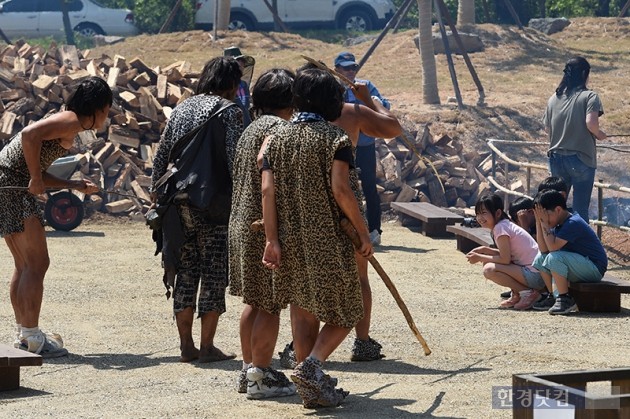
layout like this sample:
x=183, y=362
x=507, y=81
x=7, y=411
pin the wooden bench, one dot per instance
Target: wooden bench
x=600, y=297
x=470, y=237
x=11, y=360
x=433, y=220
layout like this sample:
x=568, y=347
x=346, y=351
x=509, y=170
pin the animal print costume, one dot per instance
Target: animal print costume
x=202, y=267
x=248, y=277
x=18, y=205
x=318, y=271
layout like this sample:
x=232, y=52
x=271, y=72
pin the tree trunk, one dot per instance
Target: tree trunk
x=224, y=14
x=66, y=23
x=604, y=8
x=465, y=13
x=427, y=55
x=542, y=7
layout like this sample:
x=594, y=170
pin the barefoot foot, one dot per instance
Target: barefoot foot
x=189, y=354
x=214, y=354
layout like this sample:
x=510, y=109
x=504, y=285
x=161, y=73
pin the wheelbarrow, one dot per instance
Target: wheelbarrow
x=63, y=210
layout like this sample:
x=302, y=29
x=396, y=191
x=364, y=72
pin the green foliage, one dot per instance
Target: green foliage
x=150, y=15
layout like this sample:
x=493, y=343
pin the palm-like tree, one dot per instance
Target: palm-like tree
x=466, y=13
x=224, y=14
x=427, y=55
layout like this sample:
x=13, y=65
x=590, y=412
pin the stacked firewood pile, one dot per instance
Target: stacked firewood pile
x=34, y=82
x=444, y=174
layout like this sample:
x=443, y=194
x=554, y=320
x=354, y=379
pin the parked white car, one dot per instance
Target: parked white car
x=40, y=18
x=352, y=15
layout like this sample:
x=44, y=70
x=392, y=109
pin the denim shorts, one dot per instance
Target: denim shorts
x=570, y=265
x=533, y=278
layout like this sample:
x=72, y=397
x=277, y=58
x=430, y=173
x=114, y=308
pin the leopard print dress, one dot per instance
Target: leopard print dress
x=248, y=277
x=318, y=271
x=18, y=205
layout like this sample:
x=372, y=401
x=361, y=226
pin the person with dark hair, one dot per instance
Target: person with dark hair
x=375, y=120
x=23, y=176
x=572, y=122
x=200, y=263
x=260, y=321
x=306, y=191
x=570, y=251
x=554, y=183
x=522, y=213
x=345, y=64
x=247, y=63
x=510, y=264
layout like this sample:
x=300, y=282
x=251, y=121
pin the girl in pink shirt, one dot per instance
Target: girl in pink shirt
x=510, y=263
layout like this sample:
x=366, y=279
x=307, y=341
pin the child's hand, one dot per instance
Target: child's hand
x=473, y=257
x=541, y=215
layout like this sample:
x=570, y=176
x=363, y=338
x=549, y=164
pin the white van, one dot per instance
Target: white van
x=253, y=15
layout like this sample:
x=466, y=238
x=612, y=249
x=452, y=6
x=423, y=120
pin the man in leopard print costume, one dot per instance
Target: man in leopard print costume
x=202, y=263
x=306, y=192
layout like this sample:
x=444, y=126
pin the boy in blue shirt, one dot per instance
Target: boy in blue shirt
x=570, y=251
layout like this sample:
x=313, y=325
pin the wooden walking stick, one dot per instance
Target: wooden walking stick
x=354, y=236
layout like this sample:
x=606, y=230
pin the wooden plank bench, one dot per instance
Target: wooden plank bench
x=433, y=220
x=470, y=237
x=11, y=360
x=600, y=297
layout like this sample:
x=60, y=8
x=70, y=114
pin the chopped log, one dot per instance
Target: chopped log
x=436, y=193
x=112, y=158
x=162, y=87
x=42, y=84
x=130, y=99
x=112, y=77
x=6, y=125
x=69, y=56
x=138, y=64
x=407, y=194
x=139, y=191
x=117, y=207
x=144, y=181
x=123, y=136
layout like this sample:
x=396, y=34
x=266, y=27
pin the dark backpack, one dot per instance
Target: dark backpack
x=198, y=172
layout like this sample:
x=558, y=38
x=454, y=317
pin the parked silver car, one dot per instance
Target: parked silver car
x=40, y=18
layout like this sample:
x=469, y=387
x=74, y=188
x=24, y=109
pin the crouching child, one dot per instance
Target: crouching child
x=570, y=251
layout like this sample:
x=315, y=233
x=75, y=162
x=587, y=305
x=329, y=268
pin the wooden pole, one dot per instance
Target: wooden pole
x=625, y=9
x=215, y=22
x=460, y=44
x=402, y=16
x=4, y=38
x=383, y=33
x=273, y=8
x=347, y=227
x=170, y=17
x=449, y=59
x=66, y=23
x=508, y=3
x=600, y=209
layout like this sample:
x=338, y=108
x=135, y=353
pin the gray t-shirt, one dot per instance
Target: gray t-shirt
x=565, y=119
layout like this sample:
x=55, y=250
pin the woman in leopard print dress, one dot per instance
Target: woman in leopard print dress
x=272, y=99
x=306, y=192
x=23, y=164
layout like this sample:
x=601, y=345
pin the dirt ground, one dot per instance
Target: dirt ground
x=105, y=297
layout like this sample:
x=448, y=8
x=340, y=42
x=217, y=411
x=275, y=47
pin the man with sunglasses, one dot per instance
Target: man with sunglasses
x=345, y=63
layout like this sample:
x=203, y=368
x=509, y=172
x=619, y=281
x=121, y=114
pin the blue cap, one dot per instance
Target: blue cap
x=345, y=59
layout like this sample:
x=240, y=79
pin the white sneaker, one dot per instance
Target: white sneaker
x=375, y=238
x=43, y=345
x=263, y=383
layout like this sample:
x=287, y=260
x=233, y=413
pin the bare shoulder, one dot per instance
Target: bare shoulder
x=60, y=125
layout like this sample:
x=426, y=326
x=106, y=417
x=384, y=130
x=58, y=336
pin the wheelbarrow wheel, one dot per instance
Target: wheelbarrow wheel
x=64, y=211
